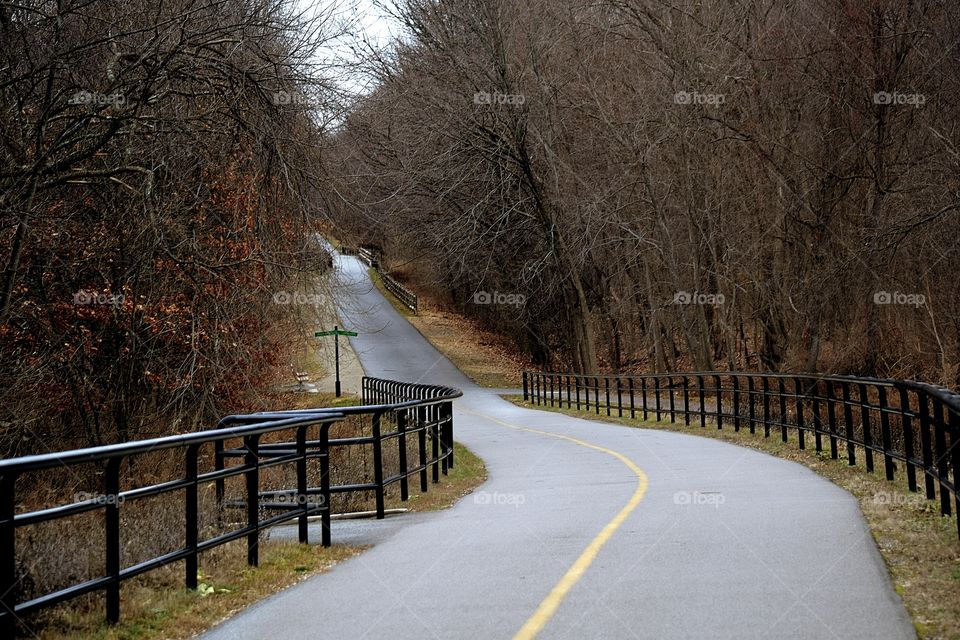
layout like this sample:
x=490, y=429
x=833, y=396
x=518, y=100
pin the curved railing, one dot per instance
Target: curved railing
x=397, y=410
x=903, y=422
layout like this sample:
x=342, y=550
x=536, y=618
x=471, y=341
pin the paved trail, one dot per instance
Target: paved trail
x=587, y=530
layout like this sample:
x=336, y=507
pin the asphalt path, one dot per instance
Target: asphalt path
x=587, y=530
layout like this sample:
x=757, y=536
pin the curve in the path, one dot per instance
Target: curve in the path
x=589, y=530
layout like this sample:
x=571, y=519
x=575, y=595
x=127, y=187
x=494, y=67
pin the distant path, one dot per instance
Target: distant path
x=590, y=534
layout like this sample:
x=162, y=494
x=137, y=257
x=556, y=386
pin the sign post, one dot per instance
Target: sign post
x=336, y=333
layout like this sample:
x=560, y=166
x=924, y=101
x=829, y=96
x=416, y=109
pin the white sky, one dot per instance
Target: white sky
x=370, y=22
x=376, y=24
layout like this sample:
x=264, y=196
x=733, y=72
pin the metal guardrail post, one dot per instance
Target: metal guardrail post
x=848, y=425
x=673, y=407
x=817, y=423
x=656, y=395
x=865, y=421
x=885, y=433
x=782, y=399
x=378, y=466
x=325, y=494
x=954, y=424
x=302, y=498
x=422, y=446
x=435, y=443
x=219, y=485
x=719, y=394
x=111, y=490
x=701, y=389
x=252, y=477
x=606, y=391
x=798, y=403
x=736, y=402
x=619, y=397
x=191, y=517
x=832, y=419
x=943, y=455
x=766, y=408
x=908, y=449
x=926, y=449
x=596, y=394
x=448, y=424
x=643, y=392
x=402, y=453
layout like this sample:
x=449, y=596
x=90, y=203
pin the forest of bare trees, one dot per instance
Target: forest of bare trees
x=671, y=184
x=624, y=185
x=159, y=174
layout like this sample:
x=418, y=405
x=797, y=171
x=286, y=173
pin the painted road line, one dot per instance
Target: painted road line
x=535, y=624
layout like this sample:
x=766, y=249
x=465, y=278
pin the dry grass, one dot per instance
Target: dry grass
x=482, y=355
x=154, y=608
x=919, y=545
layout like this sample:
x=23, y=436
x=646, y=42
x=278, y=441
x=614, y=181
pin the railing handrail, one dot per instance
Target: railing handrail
x=420, y=411
x=100, y=453
x=948, y=396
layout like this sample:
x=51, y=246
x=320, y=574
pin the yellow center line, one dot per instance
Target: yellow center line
x=551, y=603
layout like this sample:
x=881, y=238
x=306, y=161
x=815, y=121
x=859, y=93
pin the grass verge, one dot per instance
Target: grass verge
x=152, y=610
x=919, y=546
x=480, y=354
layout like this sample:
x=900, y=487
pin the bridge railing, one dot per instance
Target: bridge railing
x=287, y=440
x=898, y=421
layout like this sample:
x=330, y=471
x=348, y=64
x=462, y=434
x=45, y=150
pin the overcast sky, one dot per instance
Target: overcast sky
x=364, y=17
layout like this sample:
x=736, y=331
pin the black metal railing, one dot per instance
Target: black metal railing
x=296, y=438
x=902, y=422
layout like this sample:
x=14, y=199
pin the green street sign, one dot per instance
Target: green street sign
x=335, y=332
